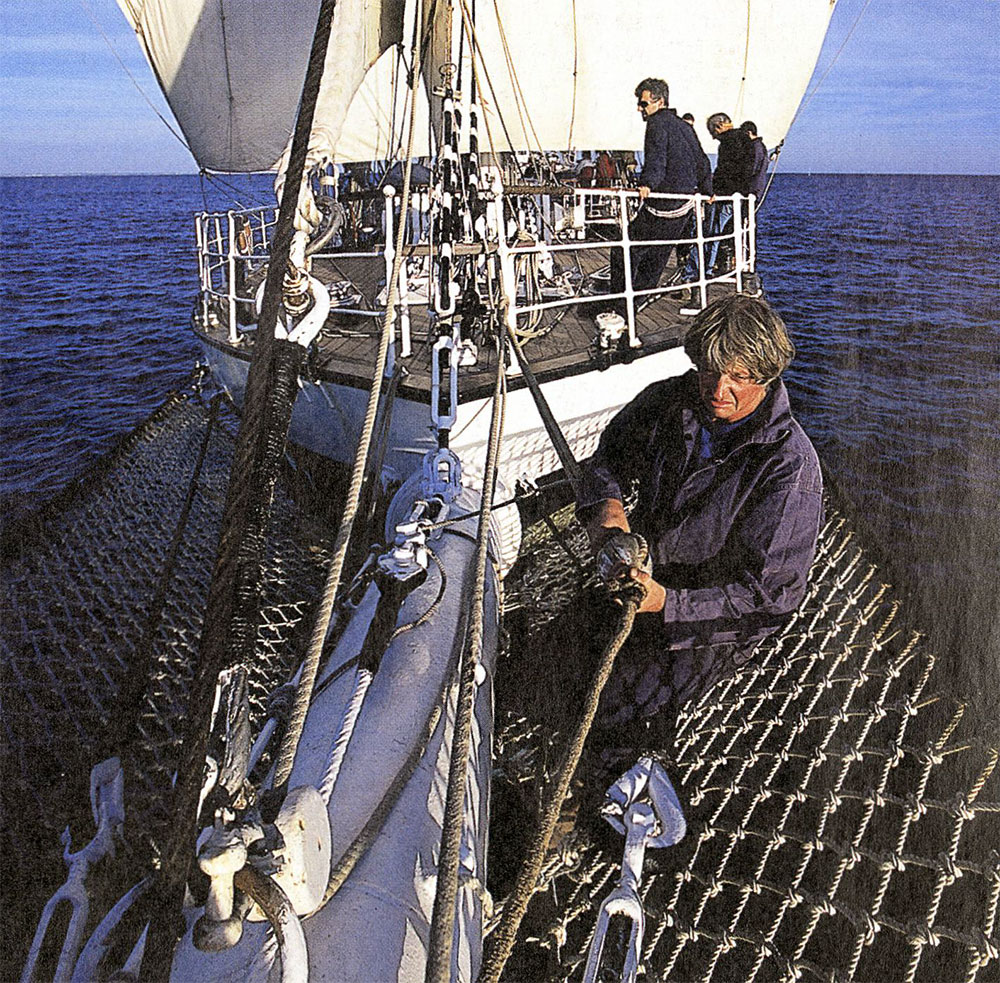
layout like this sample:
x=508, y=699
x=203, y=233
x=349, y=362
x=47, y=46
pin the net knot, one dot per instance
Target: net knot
x=946, y=864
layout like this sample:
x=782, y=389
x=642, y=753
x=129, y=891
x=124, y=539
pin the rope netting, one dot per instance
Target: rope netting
x=840, y=826
x=840, y=823
x=78, y=583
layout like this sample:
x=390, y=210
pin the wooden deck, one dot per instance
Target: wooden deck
x=347, y=347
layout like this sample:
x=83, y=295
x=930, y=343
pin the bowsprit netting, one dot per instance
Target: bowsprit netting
x=78, y=590
x=840, y=827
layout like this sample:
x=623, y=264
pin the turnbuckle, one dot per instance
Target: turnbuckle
x=656, y=822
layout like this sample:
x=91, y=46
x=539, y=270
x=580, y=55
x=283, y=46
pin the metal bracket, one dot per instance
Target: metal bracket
x=107, y=803
x=656, y=822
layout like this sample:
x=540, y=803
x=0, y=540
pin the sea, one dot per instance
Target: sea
x=889, y=284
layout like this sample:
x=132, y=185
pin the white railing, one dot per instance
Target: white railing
x=233, y=245
x=742, y=238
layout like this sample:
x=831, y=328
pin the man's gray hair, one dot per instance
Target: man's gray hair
x=716, y=121
x=740, y=329
x=657, y=88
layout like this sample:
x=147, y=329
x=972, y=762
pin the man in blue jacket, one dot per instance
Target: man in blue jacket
x=729, y=501
x=673, y=163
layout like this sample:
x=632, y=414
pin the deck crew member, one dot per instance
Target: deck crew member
x=728, y=500
x=758, y=174
x=733, y=170
x=673, y=163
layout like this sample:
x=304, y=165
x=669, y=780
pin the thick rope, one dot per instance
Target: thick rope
x=443, y=918
x=307, y=680
x=501, y=942
x=231, y=614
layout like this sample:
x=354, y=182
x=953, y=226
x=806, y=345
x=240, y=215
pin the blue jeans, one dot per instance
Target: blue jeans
x=719, y=216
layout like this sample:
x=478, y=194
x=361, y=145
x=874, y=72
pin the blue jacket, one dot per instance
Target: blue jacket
x=673, y=160
x=758, y=179
x=732, y=533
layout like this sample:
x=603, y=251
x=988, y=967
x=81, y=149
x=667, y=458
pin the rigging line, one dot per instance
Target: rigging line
x=519, y=92
x=180, y=139
x=829, y=68
x=746, y=61
x=576, y=56
x=504, y=935
x=231, y=614
x=229, y=81
x=809, y=98
x=303, y=694
x=439, y=945
x=233, y=190
x=515, y=88
x=478, y=50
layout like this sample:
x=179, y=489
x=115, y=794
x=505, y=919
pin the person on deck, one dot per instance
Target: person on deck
x=674, y=163
x=733, y=170
x=728, y=497
x=758, y=175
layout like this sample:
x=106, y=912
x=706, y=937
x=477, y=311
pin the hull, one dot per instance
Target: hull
x=327, y=416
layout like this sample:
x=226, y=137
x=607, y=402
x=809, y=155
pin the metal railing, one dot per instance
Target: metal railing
x=234, y=245
x=742, y=238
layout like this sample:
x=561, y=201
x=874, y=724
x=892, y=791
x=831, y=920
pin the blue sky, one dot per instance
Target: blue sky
x=915, y=89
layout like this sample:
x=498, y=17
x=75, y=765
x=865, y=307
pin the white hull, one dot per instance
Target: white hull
x=327, y=416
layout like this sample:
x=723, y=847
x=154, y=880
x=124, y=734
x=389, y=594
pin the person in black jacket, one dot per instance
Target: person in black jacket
x=674, y=163
x=733, y=174
x=758, y=176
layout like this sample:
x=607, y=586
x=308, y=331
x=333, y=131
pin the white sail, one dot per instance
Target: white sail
x=232, y=70
x=553, y=74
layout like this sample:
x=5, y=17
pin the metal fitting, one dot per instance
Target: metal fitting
x=223, y=854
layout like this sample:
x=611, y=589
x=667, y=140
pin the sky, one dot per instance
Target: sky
x=914, y=89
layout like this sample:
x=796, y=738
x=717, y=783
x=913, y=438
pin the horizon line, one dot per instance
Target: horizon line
x=237, y=174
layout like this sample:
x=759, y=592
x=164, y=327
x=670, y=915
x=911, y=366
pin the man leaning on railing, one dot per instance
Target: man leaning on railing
x=733, y=173
x=674, y=163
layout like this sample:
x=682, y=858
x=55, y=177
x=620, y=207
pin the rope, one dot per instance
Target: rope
x=829, y=68
x=809, y=97
x=502, y=940
x=149, y=102
x=303, y=695
x=746, y=61
x=232, y=609
x=443, y=918
x=576, y=56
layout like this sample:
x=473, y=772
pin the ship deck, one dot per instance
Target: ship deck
x=346, y=350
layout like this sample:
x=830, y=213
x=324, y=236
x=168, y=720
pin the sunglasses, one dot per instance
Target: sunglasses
x=643, y=103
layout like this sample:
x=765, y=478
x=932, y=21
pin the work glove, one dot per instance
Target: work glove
x=619, y=553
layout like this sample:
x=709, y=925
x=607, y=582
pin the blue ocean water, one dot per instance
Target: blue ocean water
x=888, y=284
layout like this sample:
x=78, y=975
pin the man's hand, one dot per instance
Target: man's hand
x=621, y=552
x=655, y=596
x=643, y=192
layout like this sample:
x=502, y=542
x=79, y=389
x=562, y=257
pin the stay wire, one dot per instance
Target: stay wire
x=439, y=947
x=177, y=136
x=809, y=97
x=303, y=696
x=829, y=68
x=228, y=634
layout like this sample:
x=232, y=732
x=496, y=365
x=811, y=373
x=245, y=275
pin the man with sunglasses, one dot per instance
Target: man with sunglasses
x=728, y=502
x=673, y=163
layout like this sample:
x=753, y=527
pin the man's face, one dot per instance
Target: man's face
x=732, y=395
x=647, y=105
